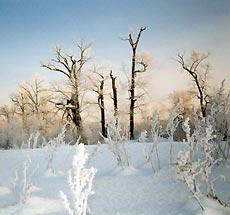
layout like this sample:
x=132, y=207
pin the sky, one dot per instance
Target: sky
x=30, y=29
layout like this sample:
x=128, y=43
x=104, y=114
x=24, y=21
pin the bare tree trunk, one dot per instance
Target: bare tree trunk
x=115, y=105
x=76, y=111
x=102, y=107
x=132, y=84
x=99, y=89
x=132, y=105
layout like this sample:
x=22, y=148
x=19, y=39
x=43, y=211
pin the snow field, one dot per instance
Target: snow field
x=133, y=191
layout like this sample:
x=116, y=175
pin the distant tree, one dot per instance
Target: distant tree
x=6, y=112
x=7, y=133
x=72, y=68
x=10, y=127
x=134, y=71
x=21, y=106
x=31, y=102
x=185, y=97
x=199, y=71
x=33, y=91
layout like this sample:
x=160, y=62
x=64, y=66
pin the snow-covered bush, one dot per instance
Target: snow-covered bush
x=80, y=180
x=175, y=118
x=196, y=162
x=22, y=183
x=93, y=154
x=52, y=145
x=116, y=139
x=151, y=148
x=219, y=108
x=11, y=134
x=35, y=140
x=143, y=137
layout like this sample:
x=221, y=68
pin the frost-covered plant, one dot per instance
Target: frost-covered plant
x=22, y=184
x=52, y=145
x=188, y=166
x=35, y=140
x=80, y=180
x=175, y=118
x=189, y=171
x=143, y=137
x=219, y=108
x=116, y=139
x=196, y=162
x=94, y=152
x=209, y=161
x=151, y=148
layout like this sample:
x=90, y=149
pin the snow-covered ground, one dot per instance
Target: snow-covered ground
x=137, y=190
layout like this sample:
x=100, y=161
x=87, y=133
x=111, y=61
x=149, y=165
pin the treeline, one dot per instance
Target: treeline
x=39, y=107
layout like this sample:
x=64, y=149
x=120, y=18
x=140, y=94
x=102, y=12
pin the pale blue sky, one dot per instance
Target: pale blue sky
x=31, y=28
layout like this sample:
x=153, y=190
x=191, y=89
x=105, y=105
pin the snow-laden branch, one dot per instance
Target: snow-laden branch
x=80, y=180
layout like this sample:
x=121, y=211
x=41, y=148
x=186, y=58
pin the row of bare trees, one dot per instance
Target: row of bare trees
x=72, y=67
x=46, y=106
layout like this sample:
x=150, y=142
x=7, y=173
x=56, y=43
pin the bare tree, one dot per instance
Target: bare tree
x=199, y=71
x=99, y=89
x=134, y=72
x=72, y=69
x=31, y=104
x=114, y=88
x=33, y=91
x=21, y=104
x=7, y=113
x=38, y=106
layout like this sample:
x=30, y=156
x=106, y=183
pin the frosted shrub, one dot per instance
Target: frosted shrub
x=52, y=149
x=35, y=140
x=116, y=139
x=175, y=118
x=196, y=162
x=188, y=167
x=189, y=172
x=94, y=152
x=151, y=148
x=22, y=184
x=80, y=180
x=143, y=137
x=219, y=108
x=209, y=162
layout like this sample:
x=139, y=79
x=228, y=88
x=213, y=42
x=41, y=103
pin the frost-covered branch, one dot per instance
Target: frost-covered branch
x=175, y=118
x=196, y=162
x=151, y=148
x=116, y=139
x=22, y=183
x=80, y=180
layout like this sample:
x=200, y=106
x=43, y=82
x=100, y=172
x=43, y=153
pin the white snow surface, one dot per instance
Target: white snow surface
x=137, y=190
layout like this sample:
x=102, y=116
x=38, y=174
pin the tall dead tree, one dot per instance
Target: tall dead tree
x=134, y=72
x=71, y=67
x=199, y=73
x=114, y=88
x=99, y=89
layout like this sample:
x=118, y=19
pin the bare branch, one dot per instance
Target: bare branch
x=54, y=68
